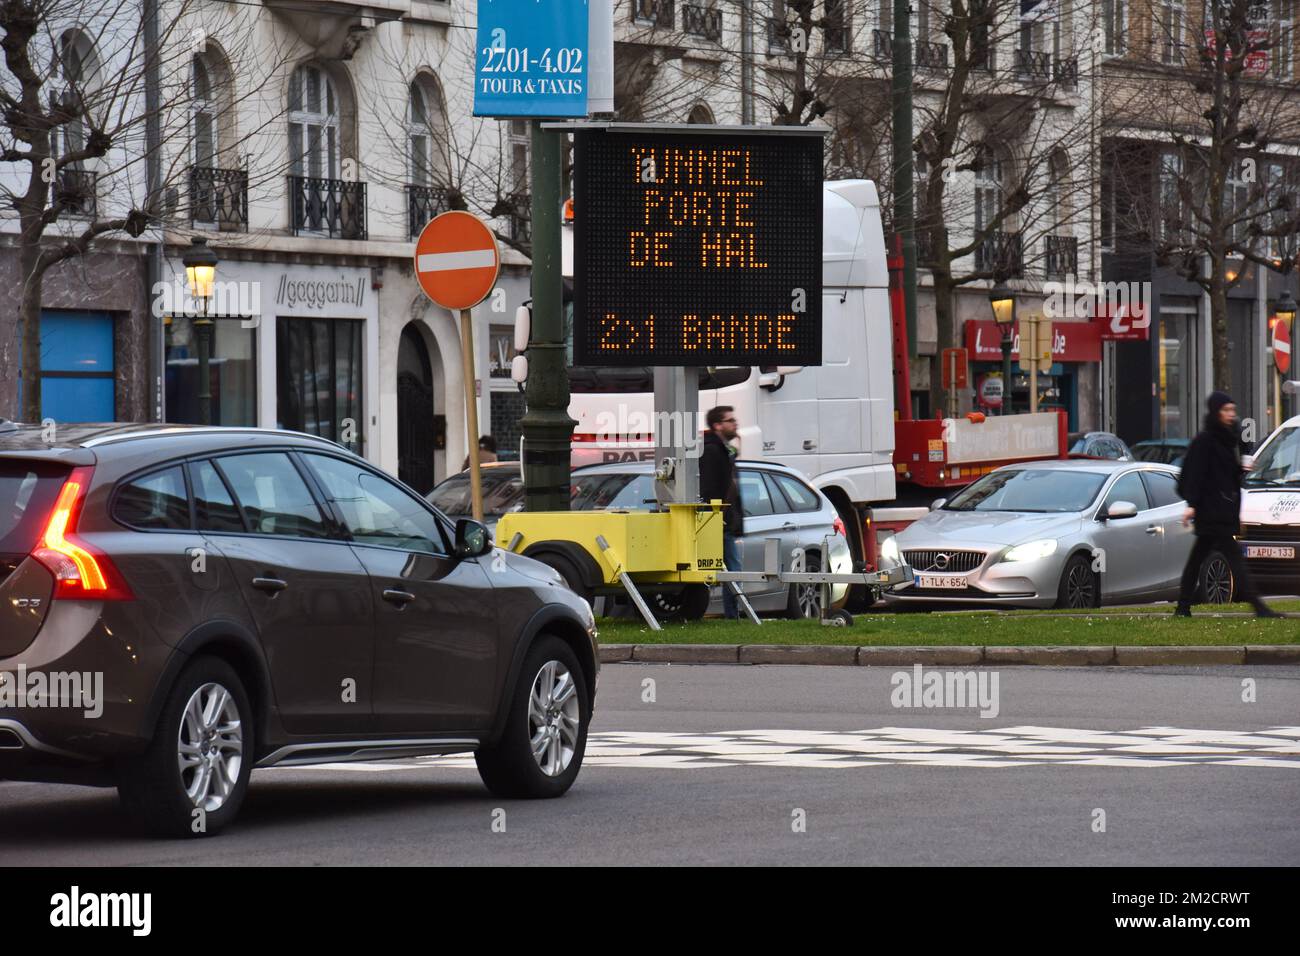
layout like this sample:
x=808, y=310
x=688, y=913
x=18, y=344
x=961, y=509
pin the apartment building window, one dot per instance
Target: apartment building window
x=1167, y=30
x=74, y=190
x=517, y=146
x=988, y=189
x=1283, y=40
x=1107, y=202
x=836, y=25
x=1114, y=25
x=313, y=124
x=1278, y=191
x=983, y=46
x=205, y=128
x=1171, y=210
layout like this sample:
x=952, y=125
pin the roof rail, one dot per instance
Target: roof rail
x=203, y=430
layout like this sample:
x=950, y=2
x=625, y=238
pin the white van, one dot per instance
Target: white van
x=1270, y=512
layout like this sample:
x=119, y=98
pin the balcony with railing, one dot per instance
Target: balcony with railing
x=702, y=21
x=76, y=192
x=1002, y=254
x=1066, y=71
x=327, y=207
x=1062, y=254
x=931, y=56
x=219, y=198
x=659, y=13
x=1034, y=64
x=422, y=204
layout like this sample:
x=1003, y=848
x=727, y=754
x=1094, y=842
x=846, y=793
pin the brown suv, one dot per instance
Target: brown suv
x=180, y=605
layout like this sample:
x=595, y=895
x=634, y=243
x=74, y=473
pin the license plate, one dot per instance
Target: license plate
x=1269, y=551
x=950, y=582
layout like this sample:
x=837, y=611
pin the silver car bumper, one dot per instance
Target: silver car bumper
x=1011, y=583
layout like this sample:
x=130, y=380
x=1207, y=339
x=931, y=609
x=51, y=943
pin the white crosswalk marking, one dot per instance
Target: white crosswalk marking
x=917, y=747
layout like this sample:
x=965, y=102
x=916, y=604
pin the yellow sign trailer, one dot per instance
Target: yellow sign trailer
x=681, y=545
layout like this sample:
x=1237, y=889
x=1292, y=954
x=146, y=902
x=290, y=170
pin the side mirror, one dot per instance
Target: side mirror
x=1122, y=509
x=472, y=538
x=938, y=503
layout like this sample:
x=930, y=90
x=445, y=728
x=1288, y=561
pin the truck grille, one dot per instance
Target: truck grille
x=1263, y=532
x=954, y=562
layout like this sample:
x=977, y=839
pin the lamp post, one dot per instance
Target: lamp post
x=1003, y=301
x=200, y=272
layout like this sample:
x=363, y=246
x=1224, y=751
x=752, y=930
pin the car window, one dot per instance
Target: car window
x=28, y=491
x=755, y=498
x=156, y=502
x=1127, y=488
x=1029, y=490
x=1162, y=488
x=622, y=491
x=273, y=495
x=374, y=510
x=801, y=497
x=214, y=508
x=503, y=492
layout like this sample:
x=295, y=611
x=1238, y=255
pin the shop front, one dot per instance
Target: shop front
x=1069, y=385
x=291, y=346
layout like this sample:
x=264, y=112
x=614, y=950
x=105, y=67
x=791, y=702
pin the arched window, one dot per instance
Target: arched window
x=426, y=122
x=314, y=147
x=701, y=115
x=204, y=112
x=990, y=180
x=77, y=74
x=1058, y=189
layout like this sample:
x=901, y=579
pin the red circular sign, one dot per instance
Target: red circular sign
x=457, y=260
x=1281, y=345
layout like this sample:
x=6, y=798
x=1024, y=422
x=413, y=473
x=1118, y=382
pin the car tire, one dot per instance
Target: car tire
x=508, y=767
x=1214, y=582
x=569, y=571
x=687, y=603
x=805, y=600
x=166, y=799
x=1080, y=586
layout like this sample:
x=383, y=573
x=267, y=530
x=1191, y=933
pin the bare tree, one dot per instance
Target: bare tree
x=1211, y=197
x=97, y=133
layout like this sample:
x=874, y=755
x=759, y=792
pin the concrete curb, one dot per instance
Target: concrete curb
x=1053, y=655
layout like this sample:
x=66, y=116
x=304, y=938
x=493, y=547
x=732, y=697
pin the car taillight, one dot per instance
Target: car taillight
x=838, y=525
x=80, y=572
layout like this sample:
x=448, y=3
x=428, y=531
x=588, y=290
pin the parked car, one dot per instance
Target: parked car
x=257, y=598
x=1070, y=533
x=1166, y=451
x=1098, y=445
x=777, y=501
x=503, y=492
x=1270, y=512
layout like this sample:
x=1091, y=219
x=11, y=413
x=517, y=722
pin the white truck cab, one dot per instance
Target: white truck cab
x=1270, y=512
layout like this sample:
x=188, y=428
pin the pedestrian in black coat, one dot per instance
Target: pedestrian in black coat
x=1210, y=483
x=718, y=480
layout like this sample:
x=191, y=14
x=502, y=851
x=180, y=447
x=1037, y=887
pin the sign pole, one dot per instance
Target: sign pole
x=677, y=437
x=471, y=409
x=547, y=427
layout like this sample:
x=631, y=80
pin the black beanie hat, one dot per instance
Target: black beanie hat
x=1217, y=400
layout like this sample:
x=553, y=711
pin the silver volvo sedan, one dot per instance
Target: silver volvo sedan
x=1056, y=534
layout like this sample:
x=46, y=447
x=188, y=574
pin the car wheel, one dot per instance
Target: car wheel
x=1216, y=583
x=805, y=601
x=688, y=603
x=540, y=751
x=193, y=777
x=569, y=571
x=1079, y=587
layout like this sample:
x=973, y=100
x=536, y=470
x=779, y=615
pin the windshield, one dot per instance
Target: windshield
x=633, y=492
x=1279, y=462
x=503, y=492
x=1030, y=490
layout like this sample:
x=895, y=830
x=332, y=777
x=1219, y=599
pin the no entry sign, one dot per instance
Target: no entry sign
x=1281, y=345
x=457, y=260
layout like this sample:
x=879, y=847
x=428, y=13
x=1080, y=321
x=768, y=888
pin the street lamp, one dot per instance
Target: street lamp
x=1285, y=308
x=1003, y=301
x=200, y=273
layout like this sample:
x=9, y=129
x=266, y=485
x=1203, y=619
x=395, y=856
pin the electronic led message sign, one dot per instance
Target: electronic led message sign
x=697, y=248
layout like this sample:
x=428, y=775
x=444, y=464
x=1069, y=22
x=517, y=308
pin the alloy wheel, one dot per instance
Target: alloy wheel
x=553, y=718
x=1216, y=580
x=1081, y=586
x=210, y=747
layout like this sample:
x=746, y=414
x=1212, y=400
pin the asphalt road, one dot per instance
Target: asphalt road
x=728, y=760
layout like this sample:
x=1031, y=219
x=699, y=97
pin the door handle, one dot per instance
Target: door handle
x=270, y=585
x=398, y=597
x=788, y=527
x=1155, y=529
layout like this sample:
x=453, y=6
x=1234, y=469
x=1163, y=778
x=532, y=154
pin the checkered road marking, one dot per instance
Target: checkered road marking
x=916, y=746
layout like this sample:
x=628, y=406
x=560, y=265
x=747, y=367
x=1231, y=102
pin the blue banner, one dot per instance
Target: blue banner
x=531, y=58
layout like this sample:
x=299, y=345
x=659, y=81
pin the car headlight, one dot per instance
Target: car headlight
x=1032, y=551
x=889, y=550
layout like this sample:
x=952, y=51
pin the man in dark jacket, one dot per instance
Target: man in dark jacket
x=1210, y=483
x=718, y=480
